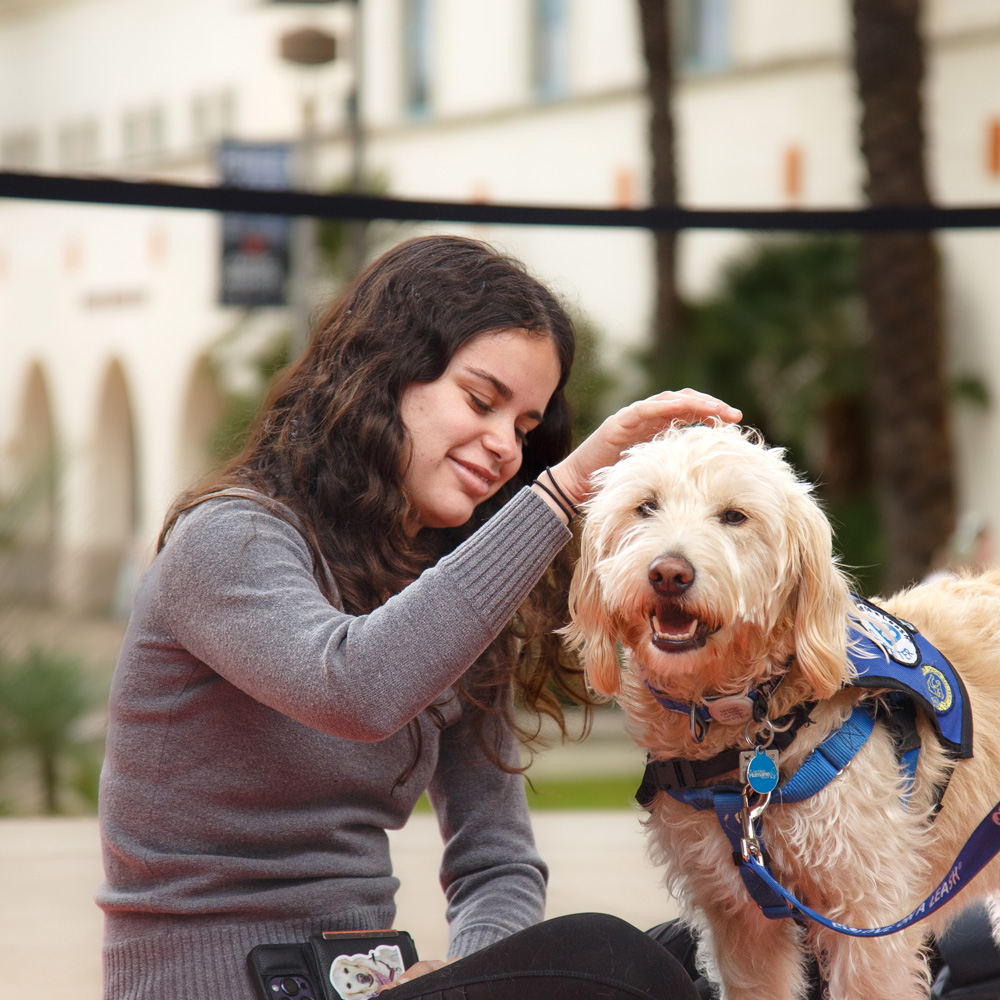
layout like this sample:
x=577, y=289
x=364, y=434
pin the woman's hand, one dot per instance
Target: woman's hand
x=418, y=969
x=640, y=421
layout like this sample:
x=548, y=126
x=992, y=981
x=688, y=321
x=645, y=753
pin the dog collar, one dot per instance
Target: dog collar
x=749, y=706
x=682, y=773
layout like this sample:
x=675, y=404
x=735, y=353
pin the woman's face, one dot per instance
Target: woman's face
x=468, y=427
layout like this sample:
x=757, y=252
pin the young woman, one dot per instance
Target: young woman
x=339, y=621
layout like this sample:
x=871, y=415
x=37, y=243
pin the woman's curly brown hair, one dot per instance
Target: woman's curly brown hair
x=330, y=445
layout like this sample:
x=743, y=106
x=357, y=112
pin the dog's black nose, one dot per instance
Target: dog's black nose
x=670, y=575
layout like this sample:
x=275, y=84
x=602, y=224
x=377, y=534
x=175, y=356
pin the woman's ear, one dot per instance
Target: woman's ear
x=590, y=628
x=823, y=601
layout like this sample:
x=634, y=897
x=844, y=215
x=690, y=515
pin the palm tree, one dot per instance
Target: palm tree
x=900, y=275
x=657, y=47
x=43, y=698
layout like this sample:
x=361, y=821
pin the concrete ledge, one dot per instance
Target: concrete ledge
x=50, y=868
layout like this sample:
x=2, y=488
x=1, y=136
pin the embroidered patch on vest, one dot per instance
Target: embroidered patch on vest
x=890, y=635
x=938, y=689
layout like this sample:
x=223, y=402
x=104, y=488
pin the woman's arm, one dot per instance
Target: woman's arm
x=493, y=877
x=236, y=589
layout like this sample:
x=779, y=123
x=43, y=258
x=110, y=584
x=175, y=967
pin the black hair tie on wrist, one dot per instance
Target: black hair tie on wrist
x=562, y=500
x=555, y=500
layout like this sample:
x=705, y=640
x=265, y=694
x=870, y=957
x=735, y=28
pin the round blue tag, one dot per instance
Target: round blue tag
x=762, y=773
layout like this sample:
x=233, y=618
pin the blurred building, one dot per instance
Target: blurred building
x=111, y=327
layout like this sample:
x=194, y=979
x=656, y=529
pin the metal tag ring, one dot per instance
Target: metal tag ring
x=758, y=739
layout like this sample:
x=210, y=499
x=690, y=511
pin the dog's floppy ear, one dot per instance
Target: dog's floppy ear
x=822, y=601
x=589, y=628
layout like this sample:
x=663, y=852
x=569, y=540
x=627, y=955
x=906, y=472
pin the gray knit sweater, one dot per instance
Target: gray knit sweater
x=256, y=735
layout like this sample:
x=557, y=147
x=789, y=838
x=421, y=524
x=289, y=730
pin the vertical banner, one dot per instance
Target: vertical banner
x=255, y=248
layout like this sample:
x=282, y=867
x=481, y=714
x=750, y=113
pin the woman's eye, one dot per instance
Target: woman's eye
x=480, y=404
x=732, y=517
x=647, y=508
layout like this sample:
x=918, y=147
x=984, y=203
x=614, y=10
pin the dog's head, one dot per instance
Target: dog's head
x=704, y=554
x=355, y=977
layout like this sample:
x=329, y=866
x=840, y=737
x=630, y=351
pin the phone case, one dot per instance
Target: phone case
x=335, y=965
x=283, y=972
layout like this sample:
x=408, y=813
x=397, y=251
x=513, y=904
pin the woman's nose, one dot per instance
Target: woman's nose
x=502, y=441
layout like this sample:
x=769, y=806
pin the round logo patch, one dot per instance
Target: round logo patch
x=890, y=636
x=938, y=689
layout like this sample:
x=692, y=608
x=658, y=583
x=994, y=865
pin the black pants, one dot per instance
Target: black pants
x=583, y=956
x=964, y=961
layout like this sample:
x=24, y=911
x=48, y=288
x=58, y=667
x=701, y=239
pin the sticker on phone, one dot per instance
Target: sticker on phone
x=358, y=977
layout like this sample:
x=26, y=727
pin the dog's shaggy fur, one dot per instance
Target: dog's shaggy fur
x=765, y=585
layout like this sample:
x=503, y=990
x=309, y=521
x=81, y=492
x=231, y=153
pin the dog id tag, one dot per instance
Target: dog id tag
x=731, y=709
x=759, y=769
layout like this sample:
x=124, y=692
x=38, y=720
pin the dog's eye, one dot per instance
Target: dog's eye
x=647, y=508
x=732, y=517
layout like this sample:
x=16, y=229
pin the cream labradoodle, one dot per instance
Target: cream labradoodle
x=711, y=564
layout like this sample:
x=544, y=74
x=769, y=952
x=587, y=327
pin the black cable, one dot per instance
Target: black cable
x=155, y=194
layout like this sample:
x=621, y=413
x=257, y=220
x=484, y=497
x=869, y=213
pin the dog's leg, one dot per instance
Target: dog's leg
x=992, y=904
x=890, y=968
x=752, y=957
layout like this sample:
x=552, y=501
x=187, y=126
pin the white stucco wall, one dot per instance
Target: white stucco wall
x=83, y=288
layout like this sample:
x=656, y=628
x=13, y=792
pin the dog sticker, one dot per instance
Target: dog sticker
x=358, y=977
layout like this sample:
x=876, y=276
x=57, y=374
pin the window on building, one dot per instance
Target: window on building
x=144, y=131
x=133, y=133
x=156, y=130
x=21, y=149
x=549, y=48
x=213, y=117
x=201, y=128
x=78, y=144
x=701, y=34
x=417, y=56
x=227, y=114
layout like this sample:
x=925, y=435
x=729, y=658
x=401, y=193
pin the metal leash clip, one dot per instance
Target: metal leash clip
x=749, y=843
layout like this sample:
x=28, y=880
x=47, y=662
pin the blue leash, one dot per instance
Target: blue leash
x=979, y=850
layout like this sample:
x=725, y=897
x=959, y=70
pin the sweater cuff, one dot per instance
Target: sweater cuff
x=524, y=537
x=475, y=938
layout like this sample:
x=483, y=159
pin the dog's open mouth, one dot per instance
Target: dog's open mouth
x=676, y=630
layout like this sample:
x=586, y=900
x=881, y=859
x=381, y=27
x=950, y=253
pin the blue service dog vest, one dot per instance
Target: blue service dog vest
x=889, y=653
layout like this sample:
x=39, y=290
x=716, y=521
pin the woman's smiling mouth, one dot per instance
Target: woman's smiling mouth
x=477, y=478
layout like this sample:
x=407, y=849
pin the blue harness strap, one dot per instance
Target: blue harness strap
x=817, y=770
x=829, y=758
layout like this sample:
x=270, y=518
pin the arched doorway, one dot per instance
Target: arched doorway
x=28, y=502
x=114, y=498
x=202, y=412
